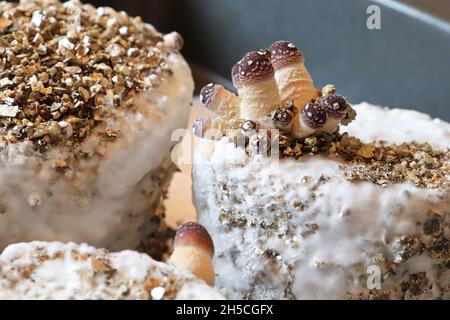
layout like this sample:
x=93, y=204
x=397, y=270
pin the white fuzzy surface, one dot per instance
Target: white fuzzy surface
x=110, y=199
x=398, y=126
x=251, y=212
x=54, y=270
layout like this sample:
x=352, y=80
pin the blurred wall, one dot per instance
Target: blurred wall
x=404, y=64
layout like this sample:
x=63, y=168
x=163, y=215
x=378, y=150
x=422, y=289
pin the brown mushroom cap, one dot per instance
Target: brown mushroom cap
x=283, y=117
x=194, y=234
x=314, y=115
x=285, y=53
x=255, y=66
x=335, y=105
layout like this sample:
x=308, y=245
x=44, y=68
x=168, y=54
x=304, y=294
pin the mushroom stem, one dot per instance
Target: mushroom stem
x=293, y=79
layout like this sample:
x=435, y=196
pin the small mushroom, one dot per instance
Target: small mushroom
x=221, y=101
x=193, y=250
x=259, y=92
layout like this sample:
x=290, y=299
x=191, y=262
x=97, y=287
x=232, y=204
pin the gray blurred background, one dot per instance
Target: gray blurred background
x=406, y=63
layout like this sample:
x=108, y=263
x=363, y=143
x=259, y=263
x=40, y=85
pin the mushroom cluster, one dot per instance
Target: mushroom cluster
x=275, y=91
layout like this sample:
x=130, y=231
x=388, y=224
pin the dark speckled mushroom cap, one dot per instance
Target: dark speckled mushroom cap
x=335, y=105
x=314, y=115
x=255, y=66
x=285, y=53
